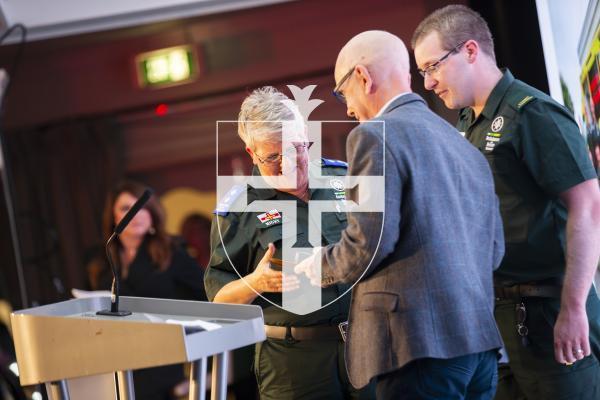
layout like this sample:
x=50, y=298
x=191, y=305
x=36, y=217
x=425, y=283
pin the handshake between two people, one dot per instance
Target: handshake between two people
x=266, y=279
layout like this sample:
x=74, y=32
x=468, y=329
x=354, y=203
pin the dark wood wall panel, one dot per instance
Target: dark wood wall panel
x=94, y=74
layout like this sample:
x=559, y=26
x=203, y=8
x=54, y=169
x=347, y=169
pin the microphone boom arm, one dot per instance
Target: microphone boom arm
x=116, y=286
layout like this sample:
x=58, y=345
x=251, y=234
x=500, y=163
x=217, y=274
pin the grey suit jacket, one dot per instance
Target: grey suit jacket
x=428, y=291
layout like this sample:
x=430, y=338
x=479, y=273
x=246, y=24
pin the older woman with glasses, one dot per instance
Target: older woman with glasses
x=303, y=356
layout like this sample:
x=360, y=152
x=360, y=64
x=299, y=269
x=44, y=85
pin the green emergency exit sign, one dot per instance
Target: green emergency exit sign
x=166, y=67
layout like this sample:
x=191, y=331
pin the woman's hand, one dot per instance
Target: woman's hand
x=264, y=279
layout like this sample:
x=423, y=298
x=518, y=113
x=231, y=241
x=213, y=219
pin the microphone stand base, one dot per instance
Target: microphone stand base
x=109, y=313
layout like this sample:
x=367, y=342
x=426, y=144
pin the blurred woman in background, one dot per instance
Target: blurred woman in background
x=151, y=264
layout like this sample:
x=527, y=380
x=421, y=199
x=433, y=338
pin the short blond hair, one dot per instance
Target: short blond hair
x=261, y=116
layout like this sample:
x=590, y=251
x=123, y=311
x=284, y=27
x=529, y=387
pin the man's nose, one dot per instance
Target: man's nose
x=430, y=82
x=350, y=113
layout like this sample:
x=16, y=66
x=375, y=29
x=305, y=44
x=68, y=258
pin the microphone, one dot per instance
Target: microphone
x=116, y=283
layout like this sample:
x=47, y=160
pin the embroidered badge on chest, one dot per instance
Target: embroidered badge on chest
x=492, y=138
x=497, y=124
x=270, y=218
x=338, y=188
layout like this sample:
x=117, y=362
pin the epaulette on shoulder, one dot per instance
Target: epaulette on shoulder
x=521, y=94
x=226, y=202
x=326, y=162
x=525, y=100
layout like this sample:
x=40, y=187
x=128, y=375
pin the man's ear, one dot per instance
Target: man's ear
x=365, y=78
x=473, y=50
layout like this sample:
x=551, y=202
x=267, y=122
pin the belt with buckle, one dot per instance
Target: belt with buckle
x=517, y=292
x=301, y=333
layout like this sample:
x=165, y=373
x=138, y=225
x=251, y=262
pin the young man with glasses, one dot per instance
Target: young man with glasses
x=303, y=356
x=547, y=312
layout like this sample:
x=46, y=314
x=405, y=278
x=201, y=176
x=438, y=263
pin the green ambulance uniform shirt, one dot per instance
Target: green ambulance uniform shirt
x=536, y=152
x=246, y=236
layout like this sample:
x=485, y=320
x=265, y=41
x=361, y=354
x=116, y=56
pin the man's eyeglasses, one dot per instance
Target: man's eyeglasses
x=288, y=153
x=337, y=91
x=431, y=69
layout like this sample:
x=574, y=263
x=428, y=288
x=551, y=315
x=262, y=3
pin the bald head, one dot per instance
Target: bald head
x=383, y=52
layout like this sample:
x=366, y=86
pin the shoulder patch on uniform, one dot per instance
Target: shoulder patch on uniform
x=524, y=101
x=226, y=202
x=326, y=162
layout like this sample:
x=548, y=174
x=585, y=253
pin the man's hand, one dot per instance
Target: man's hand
x=571, y=336
x=310, y=267
x=264, y=279
x=571, y=331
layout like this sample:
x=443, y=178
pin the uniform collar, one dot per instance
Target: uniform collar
x=497, y=94
x=263, y=194
x=266, y=194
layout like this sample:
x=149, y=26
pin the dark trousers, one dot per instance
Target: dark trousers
x=308, y=370
x=470, y=377
x=157, y=383
x=532, y=372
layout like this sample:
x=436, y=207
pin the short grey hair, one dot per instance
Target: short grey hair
x=456, y=24
x=261, y=115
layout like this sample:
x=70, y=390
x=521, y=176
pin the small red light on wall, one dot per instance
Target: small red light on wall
x=161, y=110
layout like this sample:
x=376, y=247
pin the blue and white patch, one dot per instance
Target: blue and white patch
x=327, y=162
x=225, y=203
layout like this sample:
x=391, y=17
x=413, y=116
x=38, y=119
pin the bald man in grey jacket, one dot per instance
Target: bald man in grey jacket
x=421, y=321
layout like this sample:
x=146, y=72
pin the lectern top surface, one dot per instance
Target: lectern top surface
x=186, y=320
x=145, y=309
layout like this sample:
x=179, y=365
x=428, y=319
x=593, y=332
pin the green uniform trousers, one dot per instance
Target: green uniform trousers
x=532, y=372
x=304, y=370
